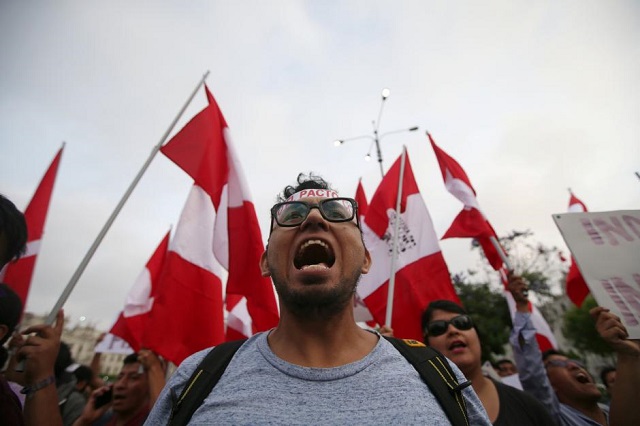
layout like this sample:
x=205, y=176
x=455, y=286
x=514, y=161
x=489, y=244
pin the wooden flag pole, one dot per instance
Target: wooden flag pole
x=392, y=278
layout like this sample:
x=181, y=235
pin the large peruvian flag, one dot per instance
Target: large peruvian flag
x=577, y=289
x=470, y=222
x=18, y=274
x=218, y=229
x=421, y=273
x=133, y=320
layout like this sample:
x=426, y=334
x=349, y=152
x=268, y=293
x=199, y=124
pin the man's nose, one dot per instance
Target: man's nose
x=314, y=218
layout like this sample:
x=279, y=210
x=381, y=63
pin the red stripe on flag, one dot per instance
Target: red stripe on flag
x=187, y=311
x=18, y=274
x=416, y=286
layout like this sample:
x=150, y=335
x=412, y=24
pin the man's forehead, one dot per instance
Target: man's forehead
x=131, y=367
x=313, y=193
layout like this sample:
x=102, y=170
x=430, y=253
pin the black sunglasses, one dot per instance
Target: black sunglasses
x=438, y=327
x=293, y=213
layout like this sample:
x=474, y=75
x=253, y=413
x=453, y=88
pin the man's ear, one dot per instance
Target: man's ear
x=264, y=263
x=367, y=262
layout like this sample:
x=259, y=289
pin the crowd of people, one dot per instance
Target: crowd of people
x=317, y=366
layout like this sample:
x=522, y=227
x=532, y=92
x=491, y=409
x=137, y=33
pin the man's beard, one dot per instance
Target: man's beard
x=315, y=302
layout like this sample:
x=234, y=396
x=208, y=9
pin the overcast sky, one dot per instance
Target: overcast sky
x=530, y=97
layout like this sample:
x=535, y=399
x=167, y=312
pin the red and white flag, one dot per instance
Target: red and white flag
x=421, y=273
x=360, y=311
x=361, y=199
x=470, y=222
x=133, y=320
x=577, y=289
x=544, y=335
x=18, y=274
x=218, y=229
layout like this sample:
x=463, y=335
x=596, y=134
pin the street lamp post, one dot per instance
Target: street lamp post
x=376, y=138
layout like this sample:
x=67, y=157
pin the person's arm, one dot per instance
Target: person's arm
x=90, y=413
x=625, y=396
x=39, y=353
x=154, y=367
x=526, y=352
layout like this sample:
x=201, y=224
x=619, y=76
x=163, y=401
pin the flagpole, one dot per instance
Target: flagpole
x=76, y=276
x=501, y=252
x=396, y=226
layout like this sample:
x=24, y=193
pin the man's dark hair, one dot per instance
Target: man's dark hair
x=14, y=229
x=130, y=359
x=604, y=372
x=83, y=373
x=310, y=181
x=546, y=354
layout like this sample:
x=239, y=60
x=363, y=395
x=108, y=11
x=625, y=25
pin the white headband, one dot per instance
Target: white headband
x=306, y=193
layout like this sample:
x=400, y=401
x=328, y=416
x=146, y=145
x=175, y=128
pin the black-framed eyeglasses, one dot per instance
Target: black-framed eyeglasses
x=293, y=213
x=439, y=327
x=564, y=363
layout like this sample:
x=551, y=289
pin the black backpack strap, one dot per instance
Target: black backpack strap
x=438, y=375
x=203, y=379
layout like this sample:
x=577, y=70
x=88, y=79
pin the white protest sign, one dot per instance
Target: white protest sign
x=606, y=247
x=111, y=344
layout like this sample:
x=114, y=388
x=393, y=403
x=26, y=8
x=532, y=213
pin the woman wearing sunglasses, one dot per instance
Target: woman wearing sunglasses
x=447, y=328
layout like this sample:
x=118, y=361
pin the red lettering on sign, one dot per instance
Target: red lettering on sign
x=609, y=229
x=626, y=298
x=632, y=222
x=591, y=231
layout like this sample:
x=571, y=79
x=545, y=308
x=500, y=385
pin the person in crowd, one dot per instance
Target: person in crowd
x=10, y=309
x=563, y=385
x=448, y=328
x=126, y=402
x=84, y=376
x=317, y=365
x=13, y=232
x=608, y=378
x=39, y=353
x=505, y=367
x=13, y=241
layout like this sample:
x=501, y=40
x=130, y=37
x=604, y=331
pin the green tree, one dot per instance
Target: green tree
x=539, y=264
x=490, y=313
x=579, y=328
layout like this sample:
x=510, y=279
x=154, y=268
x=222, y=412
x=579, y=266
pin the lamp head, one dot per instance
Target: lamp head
x=385, y=93
x=338, y=142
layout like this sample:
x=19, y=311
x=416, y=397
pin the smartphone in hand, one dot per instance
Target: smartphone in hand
x=103, y=399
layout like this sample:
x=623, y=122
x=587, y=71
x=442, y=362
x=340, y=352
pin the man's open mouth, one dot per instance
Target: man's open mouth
x=582, y=378
x=314, y=253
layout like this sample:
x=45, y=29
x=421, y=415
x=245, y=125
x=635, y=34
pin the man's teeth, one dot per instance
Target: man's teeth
x=316, y=266
x=308, y=243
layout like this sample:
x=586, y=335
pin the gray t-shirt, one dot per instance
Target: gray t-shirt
x=259, y=388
